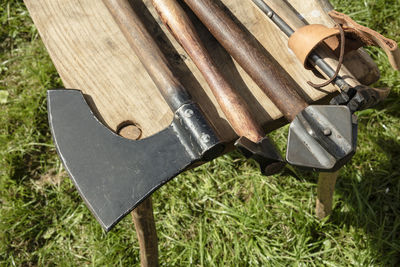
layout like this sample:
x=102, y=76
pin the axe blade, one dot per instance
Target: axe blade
x=114, y=174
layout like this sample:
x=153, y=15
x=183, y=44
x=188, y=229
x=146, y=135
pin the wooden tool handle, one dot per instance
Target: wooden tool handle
x=253, y=58
x=231, y=103
x=148, y=53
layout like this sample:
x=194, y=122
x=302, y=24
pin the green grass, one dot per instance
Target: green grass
x=223, y=213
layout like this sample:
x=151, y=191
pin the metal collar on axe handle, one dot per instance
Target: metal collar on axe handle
x=322, y=138
x=114, y=174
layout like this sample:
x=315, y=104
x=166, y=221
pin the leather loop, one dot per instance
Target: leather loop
x=306, y=38
x=339, y=65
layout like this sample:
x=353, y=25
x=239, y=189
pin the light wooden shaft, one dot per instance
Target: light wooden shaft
x=325, y=190
x=231, y=103
x=148, y=52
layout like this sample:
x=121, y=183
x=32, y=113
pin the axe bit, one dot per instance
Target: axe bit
x=252, y=142
x=320, y=137
x=114, y=174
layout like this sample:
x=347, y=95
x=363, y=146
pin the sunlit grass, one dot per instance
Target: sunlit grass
x=221, y=214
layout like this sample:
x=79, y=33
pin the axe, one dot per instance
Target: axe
x=252, y=142
x=114, y=174
x=321, y=138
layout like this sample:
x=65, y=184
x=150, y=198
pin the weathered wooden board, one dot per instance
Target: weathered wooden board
x=91, y=54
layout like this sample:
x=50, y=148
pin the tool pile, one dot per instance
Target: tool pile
x=114, y=174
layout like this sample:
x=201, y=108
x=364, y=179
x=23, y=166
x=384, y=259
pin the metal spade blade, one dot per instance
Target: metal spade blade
x=322, y=138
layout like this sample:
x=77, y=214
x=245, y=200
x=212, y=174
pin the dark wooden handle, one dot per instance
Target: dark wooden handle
x=253, y=58
x=148, y=53
x=231, y=103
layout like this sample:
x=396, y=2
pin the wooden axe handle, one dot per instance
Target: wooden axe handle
x=254, y=59
x=232, y=104
x=148, y=53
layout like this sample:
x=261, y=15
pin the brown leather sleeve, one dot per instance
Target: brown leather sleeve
x=308, y=37
x=305, y=39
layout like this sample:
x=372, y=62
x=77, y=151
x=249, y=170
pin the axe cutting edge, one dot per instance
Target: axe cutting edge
x=114, y=174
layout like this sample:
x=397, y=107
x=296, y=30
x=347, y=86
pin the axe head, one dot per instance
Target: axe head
x=322, y=138
x=114, y=174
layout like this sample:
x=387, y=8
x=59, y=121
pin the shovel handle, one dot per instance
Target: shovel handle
x=148, y=53
x=254, y=59
x=231, y=103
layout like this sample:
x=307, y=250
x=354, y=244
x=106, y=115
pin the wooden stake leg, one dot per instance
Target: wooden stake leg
x=146, y=232
x=142, y=216
x=325, y=189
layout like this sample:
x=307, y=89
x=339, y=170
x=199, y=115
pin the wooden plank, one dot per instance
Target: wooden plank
x=91, y=54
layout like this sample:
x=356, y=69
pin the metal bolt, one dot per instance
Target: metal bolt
x=270, y=14
x=188, y=113
x=205, y=138
x=327, y=132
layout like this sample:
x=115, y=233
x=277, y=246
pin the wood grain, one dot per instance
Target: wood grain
x=91, y=54
x=149, y=53
x=325, y=190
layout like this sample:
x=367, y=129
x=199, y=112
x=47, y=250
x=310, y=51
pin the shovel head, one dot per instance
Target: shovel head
x=322, y=138
x=114, y=174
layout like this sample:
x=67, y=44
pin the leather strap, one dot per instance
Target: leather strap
x=306, y=38
x=368, y=37
x=339, y=65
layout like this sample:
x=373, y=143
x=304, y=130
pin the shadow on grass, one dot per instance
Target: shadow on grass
x=370, y=201
x=391, y=105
